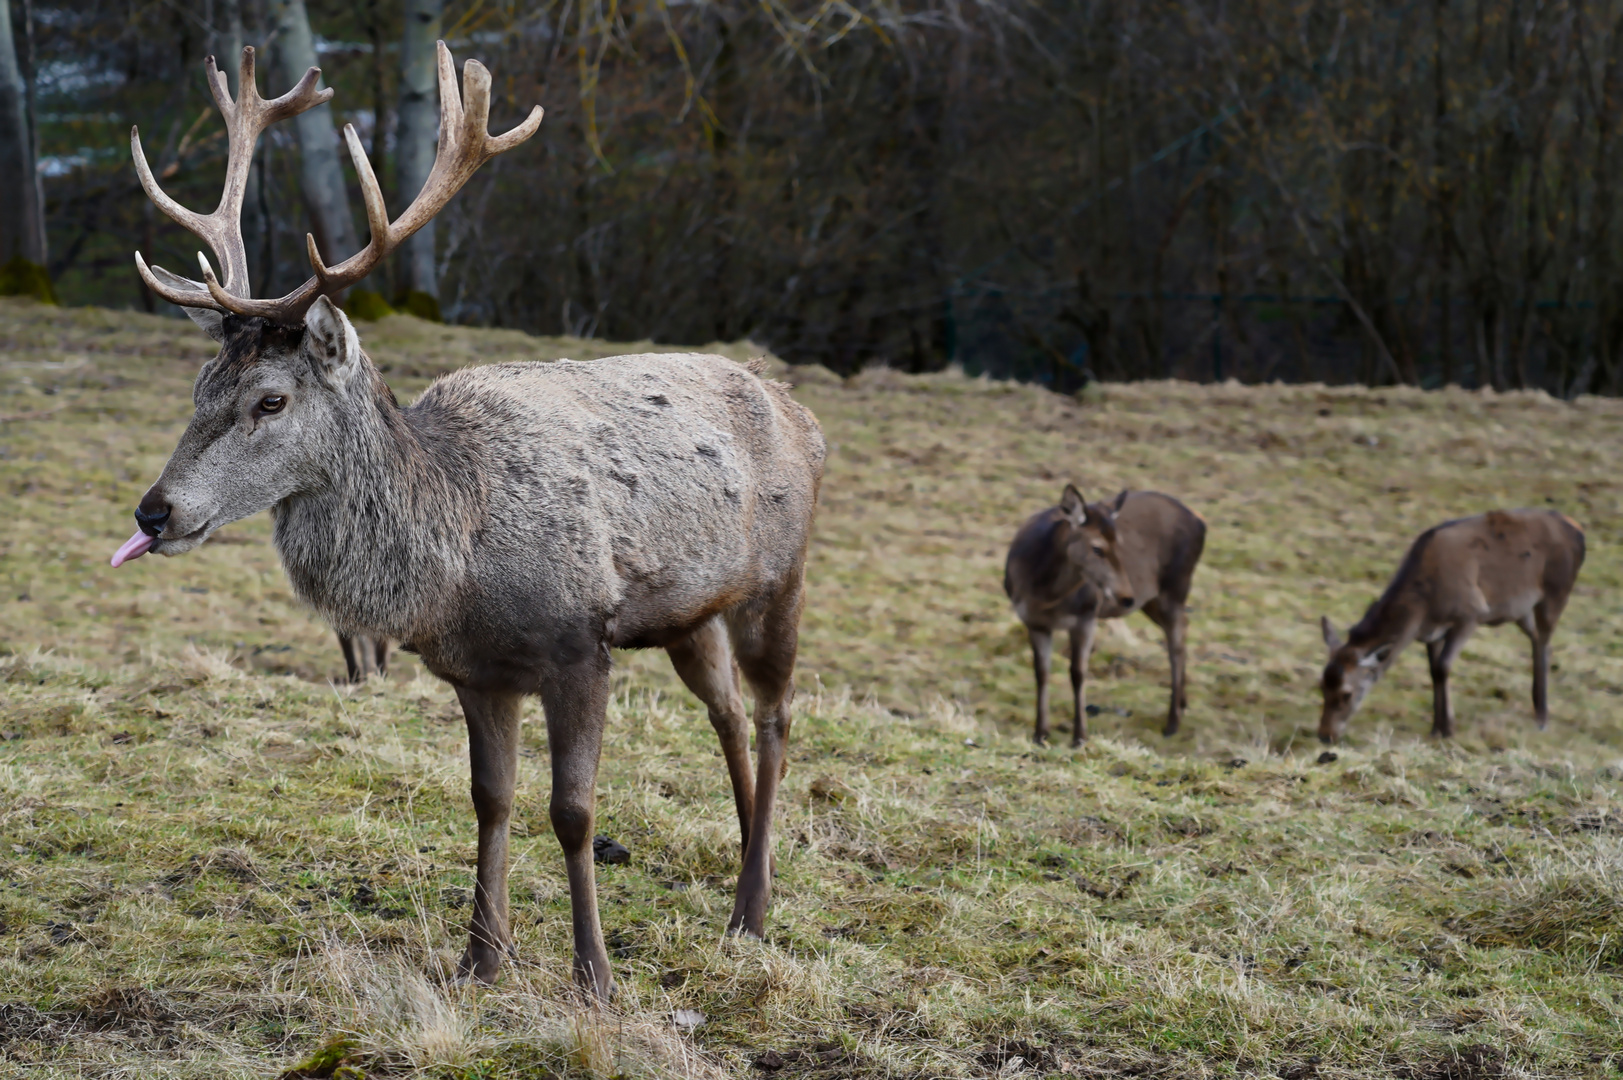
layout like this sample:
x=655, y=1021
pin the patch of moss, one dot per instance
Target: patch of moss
x=332, y=1060
x=19, y=277
x=420, y=304
x=367, y=304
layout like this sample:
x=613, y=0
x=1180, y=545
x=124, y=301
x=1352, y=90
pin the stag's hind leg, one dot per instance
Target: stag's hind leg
x=765, y=638
x=493, y=737
x=576, y=700
x=704, y=661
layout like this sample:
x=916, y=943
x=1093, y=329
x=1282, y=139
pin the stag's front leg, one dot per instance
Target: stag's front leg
x=576, y=702
x=493, y=736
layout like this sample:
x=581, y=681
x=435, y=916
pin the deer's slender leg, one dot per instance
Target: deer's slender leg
x=765, y=641
x=1081, y=648
x=1441, y=653
x=1042, y=650
x=1540, y=637
x=364, y=656
x=576, y=699
x=704, y=661
x=1177, y=631
x=493, y=736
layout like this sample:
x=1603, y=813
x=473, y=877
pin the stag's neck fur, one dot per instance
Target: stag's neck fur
x=382, y=546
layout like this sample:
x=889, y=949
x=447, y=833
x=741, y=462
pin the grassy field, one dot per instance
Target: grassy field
x=216, y=862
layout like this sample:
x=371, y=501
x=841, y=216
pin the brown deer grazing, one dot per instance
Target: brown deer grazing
x=1142, y=553
x=1503, y=566
x=513, y=525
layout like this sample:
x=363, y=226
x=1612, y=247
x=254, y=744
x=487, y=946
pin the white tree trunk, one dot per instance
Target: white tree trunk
x=325, y=192
x=418, y=132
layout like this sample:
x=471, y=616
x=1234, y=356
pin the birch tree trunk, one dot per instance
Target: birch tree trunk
x=22, y=217
x=417, y=140
x=322, y=175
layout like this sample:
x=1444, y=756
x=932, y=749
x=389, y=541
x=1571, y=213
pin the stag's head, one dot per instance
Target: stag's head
x=271, y=407
x=1348, y=675
x=1089, y=539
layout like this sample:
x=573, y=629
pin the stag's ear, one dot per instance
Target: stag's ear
x=1332, y=640
x=1121, y=500
x=331, y=342
x=210, y=320
x=1376, y=658
x=1073, y=505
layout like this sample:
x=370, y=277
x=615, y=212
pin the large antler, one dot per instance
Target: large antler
x=465, y=144
x=245, y=119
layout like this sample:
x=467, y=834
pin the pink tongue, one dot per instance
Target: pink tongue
x=133, y=548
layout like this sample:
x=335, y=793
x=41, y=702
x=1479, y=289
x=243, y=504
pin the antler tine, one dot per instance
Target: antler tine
x=193, y=221
x=377, y=214
x=220, y=89
x=450, y=99
x=179, y=297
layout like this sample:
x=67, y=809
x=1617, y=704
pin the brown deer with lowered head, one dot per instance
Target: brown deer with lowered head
x=513, y=525
x=1503, y=566
x=1141, y=552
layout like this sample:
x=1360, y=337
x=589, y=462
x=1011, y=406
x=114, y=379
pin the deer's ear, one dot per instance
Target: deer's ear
x=210, y=320
x=331, y=341
x=1376, y=658
x=1073, y=505
x=1121, y=500
x=1332, y=640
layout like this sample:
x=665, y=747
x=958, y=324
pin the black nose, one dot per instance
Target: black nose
x=1125, y=601
x=151, y=520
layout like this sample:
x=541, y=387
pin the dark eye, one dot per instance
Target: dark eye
x=272, y=403
x=1099, y=551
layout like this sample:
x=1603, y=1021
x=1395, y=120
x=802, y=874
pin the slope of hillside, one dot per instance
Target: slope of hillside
x=215, y=862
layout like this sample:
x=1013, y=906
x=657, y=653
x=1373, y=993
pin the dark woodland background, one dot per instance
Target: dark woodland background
x=1417, y=193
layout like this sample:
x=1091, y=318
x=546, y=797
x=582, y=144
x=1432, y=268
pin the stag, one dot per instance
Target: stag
x=513, y=525
x=1503, y=566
